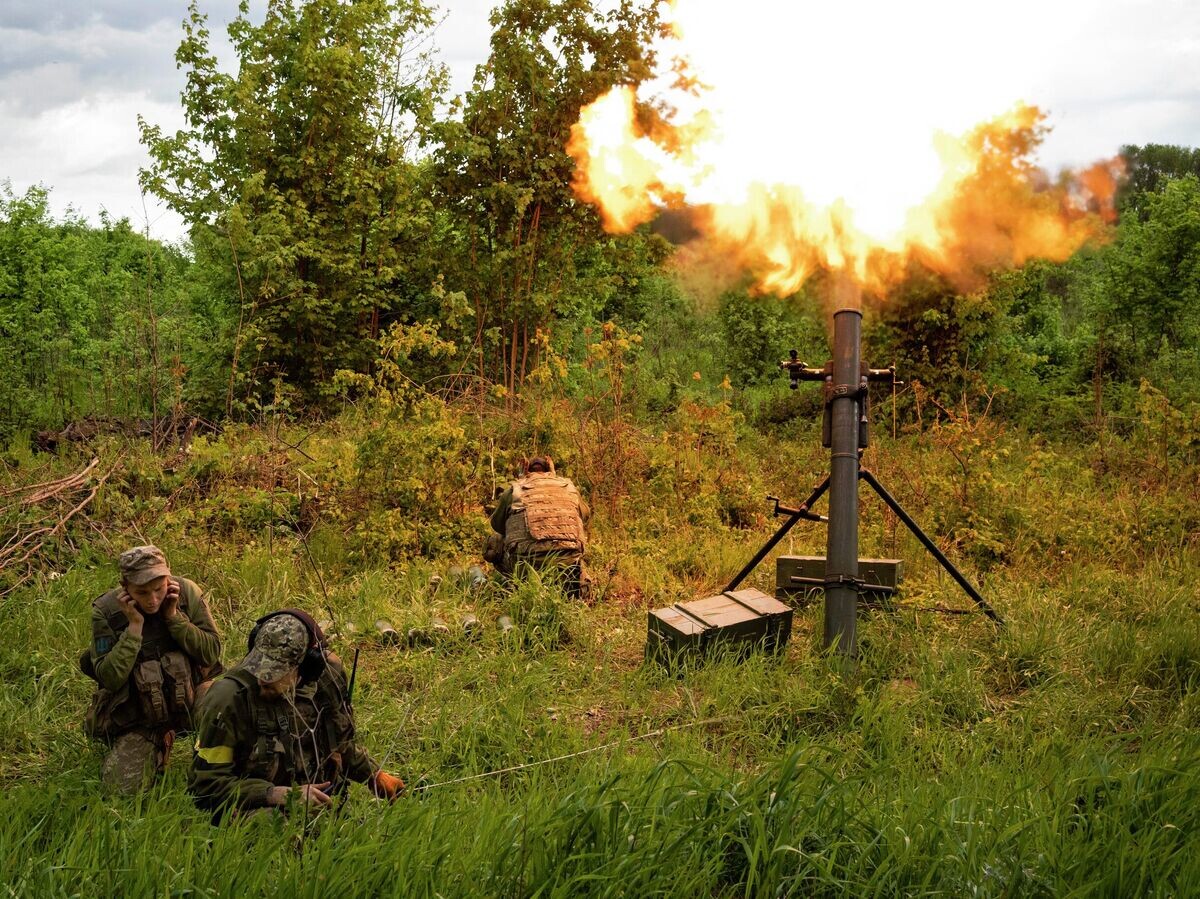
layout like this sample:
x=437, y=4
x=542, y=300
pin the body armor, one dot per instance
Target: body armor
x=161, y=689
x=545, y=518
x=296, y=742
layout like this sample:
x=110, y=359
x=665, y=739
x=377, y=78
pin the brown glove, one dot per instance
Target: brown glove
x=386, y=786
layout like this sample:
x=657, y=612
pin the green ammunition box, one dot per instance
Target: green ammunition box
x=741, y=620
x=794, y=577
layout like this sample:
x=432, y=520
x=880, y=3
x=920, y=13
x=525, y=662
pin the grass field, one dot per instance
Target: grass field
x=1058, y=756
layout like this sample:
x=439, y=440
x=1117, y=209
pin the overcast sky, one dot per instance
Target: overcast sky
x=75, y=74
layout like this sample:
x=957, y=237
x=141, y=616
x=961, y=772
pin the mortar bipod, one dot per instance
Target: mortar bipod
x=804, y=511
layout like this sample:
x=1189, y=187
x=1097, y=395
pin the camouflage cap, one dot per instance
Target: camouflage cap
x=280, y=646
x=142, y=564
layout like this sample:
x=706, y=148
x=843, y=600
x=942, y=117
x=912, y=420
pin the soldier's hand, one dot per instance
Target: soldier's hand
x=130, y=609
x=170, y=606
x=386, y=786
x=314, y=794
x=306, y=794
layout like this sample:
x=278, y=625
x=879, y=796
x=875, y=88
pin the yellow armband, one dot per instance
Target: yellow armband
x=215, y=755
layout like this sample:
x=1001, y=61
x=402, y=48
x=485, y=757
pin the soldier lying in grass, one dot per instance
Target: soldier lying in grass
x=154, y=652
x=279, y=727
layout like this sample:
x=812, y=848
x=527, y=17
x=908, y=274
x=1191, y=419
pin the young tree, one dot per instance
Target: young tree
x=1148, y=168
x=528, y=251
x=297, y=179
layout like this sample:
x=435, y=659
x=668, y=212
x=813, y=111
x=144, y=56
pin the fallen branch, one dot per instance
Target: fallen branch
x=36, y=539
x=46, y=489
x=71, y=483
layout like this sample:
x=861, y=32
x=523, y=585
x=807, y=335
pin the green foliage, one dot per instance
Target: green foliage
x=1149, y=168
x=413, y=473
x=93, y=320
x=299, y=166
x=1062, y=347
x=1170, y=432
x=960, y=349
x=758, y=331
x=1151, y=302
x=513, y=237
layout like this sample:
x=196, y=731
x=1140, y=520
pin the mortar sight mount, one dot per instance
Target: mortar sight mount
x=798, y=371
x=845, y=432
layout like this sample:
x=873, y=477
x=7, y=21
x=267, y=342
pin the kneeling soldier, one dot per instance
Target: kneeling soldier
x=279, y=724
x=539, y=521
x=154, y=651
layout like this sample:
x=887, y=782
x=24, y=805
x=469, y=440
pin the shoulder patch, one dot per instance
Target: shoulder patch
x=103, y=645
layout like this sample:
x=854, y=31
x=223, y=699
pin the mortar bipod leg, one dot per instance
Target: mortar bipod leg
x=958, y=576
x=817, y=493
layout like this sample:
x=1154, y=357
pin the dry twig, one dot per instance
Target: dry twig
x=20, y=548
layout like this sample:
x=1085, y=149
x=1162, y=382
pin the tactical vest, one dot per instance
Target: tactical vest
x=298, y=742
x=161, y=689
x=544, y=517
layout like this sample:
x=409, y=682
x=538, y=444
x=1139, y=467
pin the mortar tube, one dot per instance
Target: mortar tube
x=841, y=565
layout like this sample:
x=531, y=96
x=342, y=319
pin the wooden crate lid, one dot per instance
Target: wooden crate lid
x=718, y=611
x=760, y=602
x=678, y=621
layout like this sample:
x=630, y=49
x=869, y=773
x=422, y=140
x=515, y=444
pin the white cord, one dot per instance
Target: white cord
x=571, y=755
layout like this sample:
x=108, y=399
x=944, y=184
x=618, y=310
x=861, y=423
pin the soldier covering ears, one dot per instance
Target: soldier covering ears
x=154, y=652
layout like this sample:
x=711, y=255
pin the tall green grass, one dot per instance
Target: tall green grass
x=811, y=822
x=1057, y=756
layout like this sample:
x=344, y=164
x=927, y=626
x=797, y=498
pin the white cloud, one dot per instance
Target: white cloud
x=88, y=153
x=45, y=69
x=74, y=74
x=463, y=40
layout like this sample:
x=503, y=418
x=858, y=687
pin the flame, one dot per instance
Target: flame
x=867, y=191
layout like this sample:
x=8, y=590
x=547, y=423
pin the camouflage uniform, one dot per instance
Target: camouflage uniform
x=147, y=684
x=247, y=743
x=540, y=520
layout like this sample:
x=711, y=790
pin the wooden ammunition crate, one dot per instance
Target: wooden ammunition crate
x=884, y=572
x=741, y=620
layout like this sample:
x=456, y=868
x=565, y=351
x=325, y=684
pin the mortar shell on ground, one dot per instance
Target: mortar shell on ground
x=387, y=633
x=471, y=626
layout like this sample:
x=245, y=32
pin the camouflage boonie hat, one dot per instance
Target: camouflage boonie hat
x=142, y=564
x=279, y=647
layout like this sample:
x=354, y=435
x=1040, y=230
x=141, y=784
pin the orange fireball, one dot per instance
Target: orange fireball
x=872, y=186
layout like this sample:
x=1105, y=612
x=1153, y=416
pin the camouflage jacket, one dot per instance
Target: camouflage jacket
x=189, y=641
x=247, y=743
x=541, y=513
